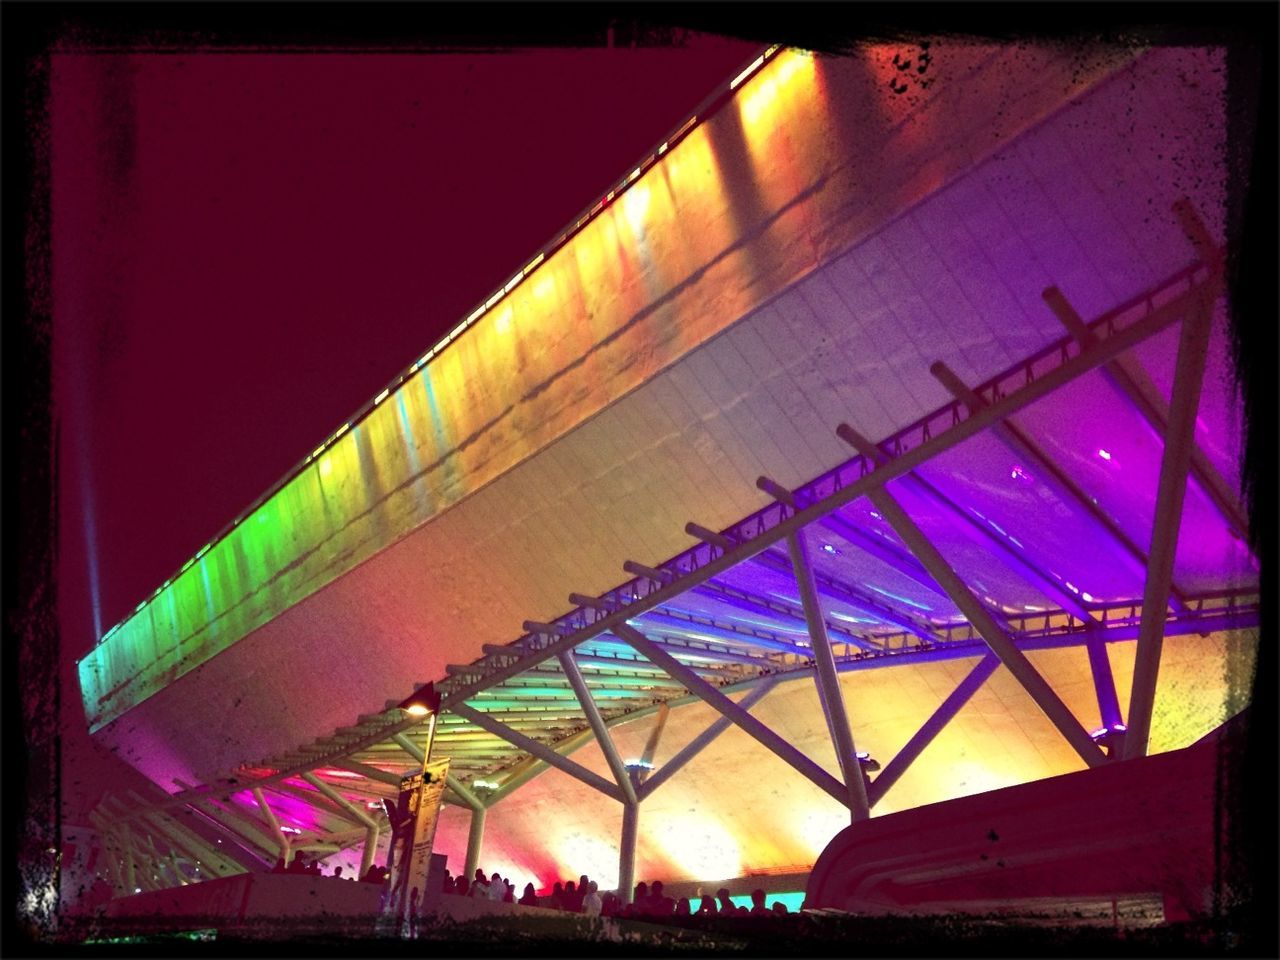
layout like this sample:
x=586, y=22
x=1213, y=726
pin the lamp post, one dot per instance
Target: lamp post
x=423, y=702
x=418, y=813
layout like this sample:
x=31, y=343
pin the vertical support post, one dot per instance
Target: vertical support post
x=475, y=839
x=370, y=849
x=828, y=681
x=583, y=693
x=126, y=848
x=1000, y=643
x=286, y=853
x=1188, y=376
x=932, y=727
x=1104, y=683
x=699, y=743
x=627, y=851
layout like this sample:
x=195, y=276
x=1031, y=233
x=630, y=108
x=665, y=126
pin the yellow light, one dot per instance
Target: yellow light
x=382, y=396
x=662, y=149
x=511, y=284
x=326, y=466
x=416, y=710
x=751, y=68
x=775, y=88
x=533, y=263
x=502, y=322
x=635, y=204
x=492, y=300
x=702, y=847
x=317, y=451
x=475, y=315
x=544, y=286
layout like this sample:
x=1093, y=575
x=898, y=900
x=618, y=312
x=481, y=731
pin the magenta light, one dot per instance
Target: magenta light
x=1105, y=455
x=1017, y=473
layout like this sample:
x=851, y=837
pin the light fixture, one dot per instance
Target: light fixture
x=1104, y=454
x=828, y=548
x=421, y=702
x=868, y=761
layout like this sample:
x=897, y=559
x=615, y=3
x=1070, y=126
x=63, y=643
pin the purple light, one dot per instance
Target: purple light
x=828, y=548
x=1017, y=473
x=1105, y=455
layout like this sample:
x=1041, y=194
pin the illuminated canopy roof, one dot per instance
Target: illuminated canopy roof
x=820, y=251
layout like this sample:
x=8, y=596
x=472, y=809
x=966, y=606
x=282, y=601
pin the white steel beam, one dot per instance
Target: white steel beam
x=828, y=681
x=540, y=750
x=285, y=853
x=1043, y=384
x=749, y=724
x=701, y=741
x=931, y=728
x=999, y=641
x=1188, y=377
x=603, y=738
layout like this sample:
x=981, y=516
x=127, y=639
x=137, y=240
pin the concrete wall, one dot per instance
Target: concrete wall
x=812, y=156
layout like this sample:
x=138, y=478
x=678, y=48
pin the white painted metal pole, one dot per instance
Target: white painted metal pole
x=828, y=681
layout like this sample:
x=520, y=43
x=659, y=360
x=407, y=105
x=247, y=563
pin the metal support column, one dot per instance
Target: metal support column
x=931, y=728
x=531, y=767
x=583, y=693
x=999, y=641
x=627, y=851
x=475, y=838
x=829, y=694
x=701, y=741
x=286, y=853
x=539, y=750
x=718, y=701
x=125, y=844
x=1104, y=683
x=1188, y=376
x=370, y=850
x=370, y=825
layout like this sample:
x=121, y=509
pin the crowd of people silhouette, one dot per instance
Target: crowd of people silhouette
x=649, y=901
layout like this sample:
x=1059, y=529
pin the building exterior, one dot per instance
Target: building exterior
x=991, y=275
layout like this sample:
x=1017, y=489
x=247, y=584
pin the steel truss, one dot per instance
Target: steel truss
x=683, y=632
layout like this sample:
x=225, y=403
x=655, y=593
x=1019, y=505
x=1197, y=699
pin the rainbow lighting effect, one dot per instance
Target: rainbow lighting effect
x=764, y=329
x=271, y=521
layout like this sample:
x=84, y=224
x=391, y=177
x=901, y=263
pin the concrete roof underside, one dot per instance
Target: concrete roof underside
x=803, y=258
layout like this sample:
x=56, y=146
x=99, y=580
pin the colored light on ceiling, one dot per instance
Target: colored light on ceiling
x=1105, y=455
x=701, y=847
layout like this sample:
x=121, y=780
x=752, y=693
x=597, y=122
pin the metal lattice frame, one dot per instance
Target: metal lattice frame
x=675, y=634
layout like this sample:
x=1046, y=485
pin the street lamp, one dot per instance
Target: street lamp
x=424, y=701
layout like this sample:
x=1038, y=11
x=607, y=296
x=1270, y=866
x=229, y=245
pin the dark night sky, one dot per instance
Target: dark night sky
x=246, y=248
